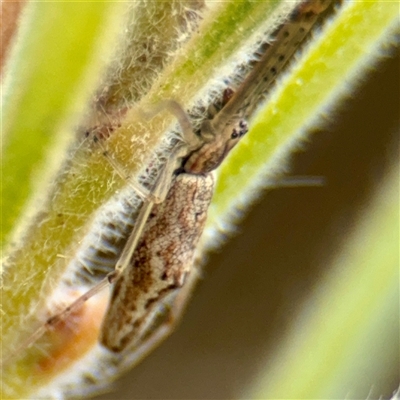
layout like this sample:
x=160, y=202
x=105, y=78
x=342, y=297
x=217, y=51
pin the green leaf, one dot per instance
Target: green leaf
x=322, y=77
x=57, y=57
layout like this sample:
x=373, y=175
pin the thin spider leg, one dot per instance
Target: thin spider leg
x=278, y=53
x=139, y=189
x=61, y=316
x=192, y=141
x=160, y=191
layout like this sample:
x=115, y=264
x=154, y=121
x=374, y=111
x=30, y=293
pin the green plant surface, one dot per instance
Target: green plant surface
x=64, y=63
x=87, y=181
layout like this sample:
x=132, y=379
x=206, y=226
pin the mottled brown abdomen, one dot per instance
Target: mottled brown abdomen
x=160, y=263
